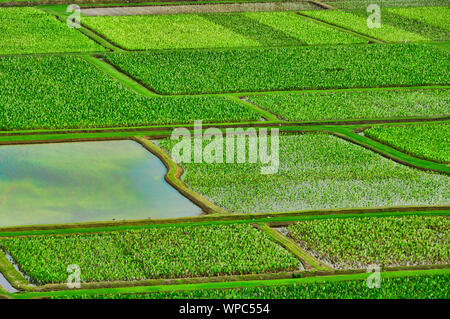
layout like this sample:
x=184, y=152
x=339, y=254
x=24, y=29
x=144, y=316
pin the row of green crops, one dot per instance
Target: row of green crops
x=356, y=105
x=68, y=92
x=397, y=24
x=168, y=252
x=287, y=68
x=215, y=30
x=362, y=4
x=387, y=241
x=417, y=287
x=315, y=171
x=29, y=30
x=429, y=141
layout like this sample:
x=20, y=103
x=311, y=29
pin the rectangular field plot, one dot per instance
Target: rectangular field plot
x=387, y=241
x=429, y=141
x=168, y=252
x=316, y=171
x=83, y=182
x=397, y=24
x=297, y=68
x=415, y=287
x=356, y=105
x=68, y=92
x=214, y=30
x=30, y=30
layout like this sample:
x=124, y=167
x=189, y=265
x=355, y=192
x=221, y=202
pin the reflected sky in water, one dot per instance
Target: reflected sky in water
x=85, y=181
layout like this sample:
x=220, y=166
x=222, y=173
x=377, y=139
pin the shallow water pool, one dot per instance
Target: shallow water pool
x=85, y=181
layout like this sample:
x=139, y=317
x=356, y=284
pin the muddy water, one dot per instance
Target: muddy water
x=86, y=181
x=6, y=285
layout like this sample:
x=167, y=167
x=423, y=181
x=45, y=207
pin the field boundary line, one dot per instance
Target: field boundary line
x=343, y=29
x=252, y=106
x=121, y=77
x=319, y=90
x=234, y=284
x=322, y=5
x=351, y=123
x=308, y=261
x=87, y=32
x=10, y=273
x=390, y=153
x=275, y=218
x=173, y=174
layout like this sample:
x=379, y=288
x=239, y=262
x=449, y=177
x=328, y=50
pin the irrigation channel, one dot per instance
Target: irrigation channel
x=85, y=181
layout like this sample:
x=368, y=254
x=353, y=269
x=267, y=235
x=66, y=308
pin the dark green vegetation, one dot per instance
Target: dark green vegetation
x=356, y=105
x=150, y=253
x=387, y=241
x=429, y=141
x=417, y=287
x=287, y=68
x=29, y=30
x=68, y=92
x=316, y=171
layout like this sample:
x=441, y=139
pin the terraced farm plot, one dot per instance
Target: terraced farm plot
x=297, y=68
x=356, y=105
x=68, y=92
x=316, y=171
x=166, y=32
x=429, y=141
x=416, y=287
x=281, y=28
x=214, y=30
x=387, y=241
x=30, y=30
x=168, y=252
x=397, y=24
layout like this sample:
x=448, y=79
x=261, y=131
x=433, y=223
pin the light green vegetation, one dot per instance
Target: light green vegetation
x=80, y=182
x=362, y=4
x=214, y=30
x=397, y=24
x=315, y=171
x=151, y=253
x=68, y=92
x=429, y=141
x=165, y=32
x=417, y=287
x=356, y=105
x=29, y=30
x=281, y=28
x=287, y=68
x=387, y=241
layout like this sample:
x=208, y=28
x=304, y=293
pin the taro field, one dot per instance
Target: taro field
x=239, y=150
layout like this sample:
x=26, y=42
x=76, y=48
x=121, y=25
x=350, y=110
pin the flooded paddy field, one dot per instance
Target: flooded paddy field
x=83, y=182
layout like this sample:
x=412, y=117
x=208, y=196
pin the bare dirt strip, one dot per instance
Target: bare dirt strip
x=199, y=8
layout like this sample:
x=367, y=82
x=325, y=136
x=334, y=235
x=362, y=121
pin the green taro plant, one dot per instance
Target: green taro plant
x=415, y=287
x=169, y=252
x=292, y=68
x=429, y=141
x=386, y=241
x=57, y=92
x=316, y=171
x=30, y=30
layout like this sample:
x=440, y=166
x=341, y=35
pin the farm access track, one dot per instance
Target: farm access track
x=315, y=271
